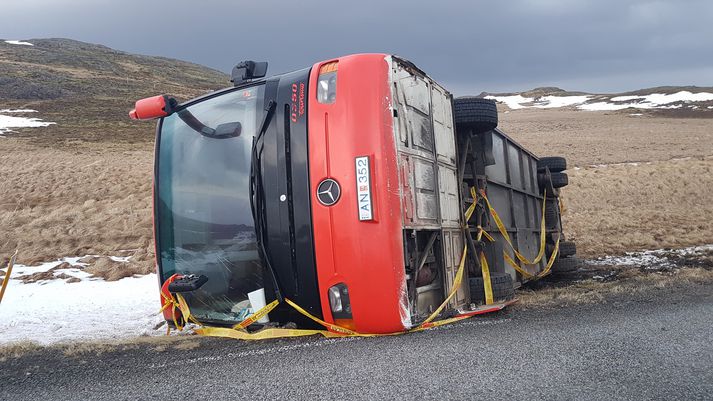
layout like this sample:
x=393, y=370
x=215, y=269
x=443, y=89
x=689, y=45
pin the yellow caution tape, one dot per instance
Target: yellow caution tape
x=265, y=334
x=257, y=315
x=6, y=279
x=330, y=326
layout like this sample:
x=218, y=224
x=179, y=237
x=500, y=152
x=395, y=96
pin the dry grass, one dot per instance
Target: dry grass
x=629, y=282
x=650, y=206
x=73, y=202
x=158, y=344
x=587, y=138
x=111, y=270
x=80, y=348
x=18, y=349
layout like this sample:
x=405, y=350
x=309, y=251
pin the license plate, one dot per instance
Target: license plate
x=363, y=184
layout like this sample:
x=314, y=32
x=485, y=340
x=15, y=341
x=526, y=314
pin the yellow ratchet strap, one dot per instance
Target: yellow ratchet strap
x=504, y=232
x=6, y=279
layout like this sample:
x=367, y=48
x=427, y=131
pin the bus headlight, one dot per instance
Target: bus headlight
x=327, y=83
x=339, y=301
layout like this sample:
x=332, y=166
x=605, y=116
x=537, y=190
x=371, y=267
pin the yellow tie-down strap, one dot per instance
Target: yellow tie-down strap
x=332, y=330
x=6, y=279
x=518, y=255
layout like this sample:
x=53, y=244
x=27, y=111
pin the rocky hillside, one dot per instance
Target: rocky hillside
x=87, y=89
x=64, y=68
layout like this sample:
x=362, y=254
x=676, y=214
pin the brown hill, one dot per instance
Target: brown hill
x=87, y=89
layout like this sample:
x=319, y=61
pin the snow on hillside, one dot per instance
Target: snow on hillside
x=18, y=42
x=75, y=306
x=543, y=102
x=7, y=122
x=607, y=103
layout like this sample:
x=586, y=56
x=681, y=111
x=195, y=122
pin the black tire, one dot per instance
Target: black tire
x=552, y=214
x=564, y=265
x=567, y=248
x=559, y=180
x=503, y=288
x=556, y=164
x=476, y=113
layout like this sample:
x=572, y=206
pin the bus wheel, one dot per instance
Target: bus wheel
x=476, y=113
x=567, y=248
x=556, y=164
x=564, y=265
x=503, y=288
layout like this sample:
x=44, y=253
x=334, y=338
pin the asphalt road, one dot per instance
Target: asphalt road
x=656, y=346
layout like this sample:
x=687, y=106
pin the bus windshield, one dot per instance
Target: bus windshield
x=204, y=219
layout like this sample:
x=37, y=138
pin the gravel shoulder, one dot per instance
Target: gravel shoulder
x=654, y=344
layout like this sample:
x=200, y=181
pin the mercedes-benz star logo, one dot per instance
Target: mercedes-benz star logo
x=328, y=192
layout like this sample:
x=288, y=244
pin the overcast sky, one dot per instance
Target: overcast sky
x=468, y=45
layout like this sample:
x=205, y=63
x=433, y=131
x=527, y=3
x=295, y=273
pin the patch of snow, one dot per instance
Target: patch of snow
x=634, y=164
x=624, y=98
x=18, y=111
x=652, y=101
x=654, y=258
x=18, y=42
x=636, y=114
x=514, y=102
x=7, y=122
x=683, y=96
x=543, y=102
x=53, y=311
x=546, y=102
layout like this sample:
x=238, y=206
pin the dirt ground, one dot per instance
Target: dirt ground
x=63, y=198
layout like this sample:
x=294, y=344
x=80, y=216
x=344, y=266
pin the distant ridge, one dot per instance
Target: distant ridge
x=62, y=68
x=555, y=91
x=87, y=89
x=690, y=101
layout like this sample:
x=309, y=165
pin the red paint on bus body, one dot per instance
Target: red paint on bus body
x=367, y=256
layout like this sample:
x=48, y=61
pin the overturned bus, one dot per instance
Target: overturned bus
x=357, y=188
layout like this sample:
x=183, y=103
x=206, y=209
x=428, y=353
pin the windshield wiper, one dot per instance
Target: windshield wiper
x=257, y=195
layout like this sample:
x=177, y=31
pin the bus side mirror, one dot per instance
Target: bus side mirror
x=153, y=107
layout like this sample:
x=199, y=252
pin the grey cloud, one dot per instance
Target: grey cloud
x=606, y=45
